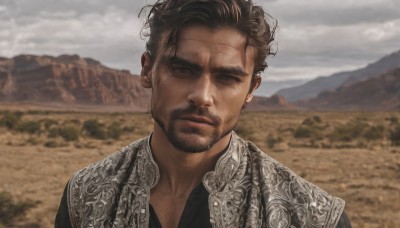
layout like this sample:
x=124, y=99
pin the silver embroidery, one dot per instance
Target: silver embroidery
x=247, y=189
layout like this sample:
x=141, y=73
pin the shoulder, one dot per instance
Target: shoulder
x=289, y=197
x=97, y=185
x=112, y=164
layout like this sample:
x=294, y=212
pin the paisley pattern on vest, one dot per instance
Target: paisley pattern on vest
x=247, y=189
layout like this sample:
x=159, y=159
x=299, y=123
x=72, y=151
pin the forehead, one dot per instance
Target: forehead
x=222, y=46
x=221, y=36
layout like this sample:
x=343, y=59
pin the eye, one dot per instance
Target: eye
x=227, y=78
x=182, y=70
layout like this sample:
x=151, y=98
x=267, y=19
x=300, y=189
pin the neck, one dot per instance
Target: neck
x=181, y=171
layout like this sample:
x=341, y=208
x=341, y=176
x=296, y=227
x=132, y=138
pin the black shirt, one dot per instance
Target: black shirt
x=196, y=213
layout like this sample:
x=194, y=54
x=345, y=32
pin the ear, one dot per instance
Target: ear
x=255, y=83
x=147, y=69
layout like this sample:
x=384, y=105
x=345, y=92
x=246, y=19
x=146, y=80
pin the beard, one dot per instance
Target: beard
x=187, y=145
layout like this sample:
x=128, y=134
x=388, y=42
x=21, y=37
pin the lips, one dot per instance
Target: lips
x=199, y=119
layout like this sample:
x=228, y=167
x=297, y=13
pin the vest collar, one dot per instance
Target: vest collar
x=214, y=181
x=227, y=167
x=147, y=166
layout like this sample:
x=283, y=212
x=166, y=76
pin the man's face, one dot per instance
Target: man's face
x=198, y=95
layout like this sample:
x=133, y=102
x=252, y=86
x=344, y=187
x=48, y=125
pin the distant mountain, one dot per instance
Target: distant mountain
x=377, y=93
x=70, y=80
x=269, y=87
x=268, y=103
x=314, y=87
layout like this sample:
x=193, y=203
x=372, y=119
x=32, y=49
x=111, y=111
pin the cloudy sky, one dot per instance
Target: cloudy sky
x=315, y=37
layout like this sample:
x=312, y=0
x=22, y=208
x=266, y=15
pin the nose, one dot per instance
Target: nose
x=201, y=92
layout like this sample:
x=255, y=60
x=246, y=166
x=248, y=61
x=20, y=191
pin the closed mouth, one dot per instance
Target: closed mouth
x=198, y=119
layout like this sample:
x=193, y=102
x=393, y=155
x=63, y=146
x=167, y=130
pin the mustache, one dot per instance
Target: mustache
x=196, y=111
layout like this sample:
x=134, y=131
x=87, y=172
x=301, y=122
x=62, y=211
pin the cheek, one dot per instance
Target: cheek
x=167, y=95
x=233, y=108
x=232, y=99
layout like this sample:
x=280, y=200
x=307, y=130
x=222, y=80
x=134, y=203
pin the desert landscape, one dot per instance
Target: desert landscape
x=59, y=114
x=353, y=155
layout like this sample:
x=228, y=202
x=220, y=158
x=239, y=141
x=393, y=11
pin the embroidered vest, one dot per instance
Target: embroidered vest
x=247, y=189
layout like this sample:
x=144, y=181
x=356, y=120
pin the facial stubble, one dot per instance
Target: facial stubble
x=185, y=145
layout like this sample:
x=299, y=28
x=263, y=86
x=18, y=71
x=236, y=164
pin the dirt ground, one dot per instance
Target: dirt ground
x=366, y=177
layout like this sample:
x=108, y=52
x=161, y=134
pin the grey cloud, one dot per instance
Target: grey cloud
x=333, y=13
x=2, y=8
x=30, y=8
x=336, y=17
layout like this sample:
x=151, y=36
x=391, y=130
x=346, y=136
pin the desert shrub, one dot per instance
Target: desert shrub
x=317, y=119
x=287, y=129
x=393, y=120
x=310, y=128
x=243, y=132
x=69, y=133
x=341, y=133
x=302, y=132
x=10, y=210
x=74, y=122
x=53, y=132
x=11, y=120
x=374, y=132
x=312, y=121
x=30, y=127
x=271, y=140
x=33, y=141
x=394, y=136
x=51, y=144
x=128, y=129
x=94, y=129
x=351, y=130
x=48, y=123
x=114, y=130
x=308, y=122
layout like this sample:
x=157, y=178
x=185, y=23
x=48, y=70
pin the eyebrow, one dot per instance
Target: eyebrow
x=181, y=61
x=238, y=71
x=235, y=70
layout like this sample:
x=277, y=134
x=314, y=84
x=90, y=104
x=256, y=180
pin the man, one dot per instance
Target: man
x=203, y=62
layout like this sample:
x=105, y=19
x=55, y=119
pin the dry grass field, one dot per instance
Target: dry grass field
x=352, y=155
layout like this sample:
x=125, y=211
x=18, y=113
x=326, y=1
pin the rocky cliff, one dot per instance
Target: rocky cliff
x=269, y=103
x=70, y=80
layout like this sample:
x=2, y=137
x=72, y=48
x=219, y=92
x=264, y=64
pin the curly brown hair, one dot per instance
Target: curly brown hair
x=172, y=15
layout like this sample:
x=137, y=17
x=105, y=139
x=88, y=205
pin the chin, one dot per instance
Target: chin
x=192, y=143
